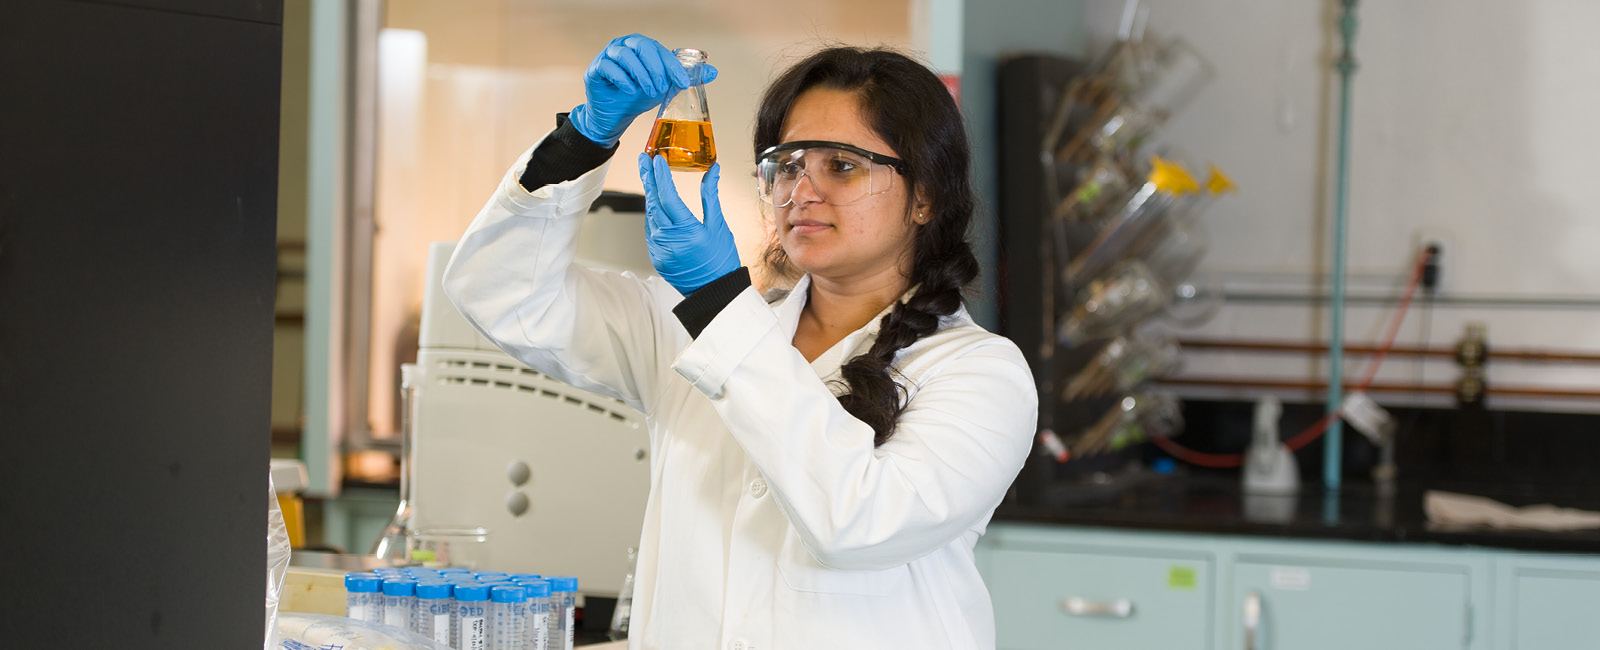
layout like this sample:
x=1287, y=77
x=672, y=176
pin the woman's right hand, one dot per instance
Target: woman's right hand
x=632, y=75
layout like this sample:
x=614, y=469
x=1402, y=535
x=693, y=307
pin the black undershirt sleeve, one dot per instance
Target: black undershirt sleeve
x=564, y=155
x=698, y=308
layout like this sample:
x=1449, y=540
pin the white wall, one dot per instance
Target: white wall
x=1474, y=124
x=489, y=77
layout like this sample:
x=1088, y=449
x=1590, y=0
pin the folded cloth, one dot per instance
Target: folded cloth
x=1451, y=509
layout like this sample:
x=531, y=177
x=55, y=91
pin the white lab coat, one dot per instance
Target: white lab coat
x=772, y=521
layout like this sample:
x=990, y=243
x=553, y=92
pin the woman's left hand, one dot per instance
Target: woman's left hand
x=687, y=253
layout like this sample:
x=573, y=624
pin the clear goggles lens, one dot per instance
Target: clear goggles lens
x=838, y=176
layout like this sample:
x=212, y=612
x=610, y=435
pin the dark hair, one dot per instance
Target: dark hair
x=907, y=106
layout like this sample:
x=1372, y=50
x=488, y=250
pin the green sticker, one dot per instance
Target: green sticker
x=1181, y=577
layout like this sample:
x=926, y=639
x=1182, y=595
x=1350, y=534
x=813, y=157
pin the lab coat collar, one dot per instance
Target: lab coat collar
x=788, y=308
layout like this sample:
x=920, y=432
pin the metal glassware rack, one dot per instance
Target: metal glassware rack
x=1105, y=236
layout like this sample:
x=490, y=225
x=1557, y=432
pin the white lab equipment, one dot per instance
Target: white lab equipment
x=1269, y=466
x=559, y=476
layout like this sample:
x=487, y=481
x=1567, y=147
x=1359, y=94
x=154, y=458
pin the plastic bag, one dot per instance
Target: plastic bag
x=298, y=631
x=277, y=563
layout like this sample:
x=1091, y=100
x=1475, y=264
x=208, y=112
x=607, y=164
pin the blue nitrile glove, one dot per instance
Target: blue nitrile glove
x=688, y=254
x=632, y=75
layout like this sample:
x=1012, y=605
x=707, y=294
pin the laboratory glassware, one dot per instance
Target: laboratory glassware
x=462, y=547
x=1131, y=420
x=682, y=132
x=392, y=544
x=624, y=610
x=1124, y=363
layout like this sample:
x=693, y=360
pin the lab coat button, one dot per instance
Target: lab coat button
x=758, y=488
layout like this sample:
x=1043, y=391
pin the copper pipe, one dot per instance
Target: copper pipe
x=1362, y=349
x=1493, y=390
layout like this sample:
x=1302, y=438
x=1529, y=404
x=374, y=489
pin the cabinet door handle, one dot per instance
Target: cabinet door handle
x=1120, y=608
x=1252, y=619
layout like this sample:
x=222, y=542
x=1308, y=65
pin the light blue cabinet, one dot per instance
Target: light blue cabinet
x=1108, y=589
x=1333, y=602
x=1548, y=602
x=1102, y=597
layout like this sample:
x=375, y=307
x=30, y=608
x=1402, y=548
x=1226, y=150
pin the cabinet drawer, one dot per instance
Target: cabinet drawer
x=1555, y=609
x=1341, y=604
x=1104, y=599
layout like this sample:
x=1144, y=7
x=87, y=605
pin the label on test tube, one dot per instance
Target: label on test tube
x=568, y=610
x=475, y=629
x=472, y=611
x=440, y=611
x=540, y=628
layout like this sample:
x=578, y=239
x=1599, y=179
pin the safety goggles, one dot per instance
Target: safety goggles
x=841, y=174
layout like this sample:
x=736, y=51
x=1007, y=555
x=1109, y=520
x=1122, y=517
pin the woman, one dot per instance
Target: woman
x=823, y=462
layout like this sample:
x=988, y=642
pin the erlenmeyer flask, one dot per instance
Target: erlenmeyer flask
x=682, y=133
x=392, y=544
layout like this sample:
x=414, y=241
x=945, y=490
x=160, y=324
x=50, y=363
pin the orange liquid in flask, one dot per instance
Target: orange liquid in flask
x=687, y=146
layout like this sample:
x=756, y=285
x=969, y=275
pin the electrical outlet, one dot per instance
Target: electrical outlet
x=1422, y=238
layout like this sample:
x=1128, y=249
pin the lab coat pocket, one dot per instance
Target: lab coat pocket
x=802, y=572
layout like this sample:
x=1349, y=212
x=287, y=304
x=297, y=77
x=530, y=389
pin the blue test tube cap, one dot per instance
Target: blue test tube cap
x=525, y=576
x=537, y=588
x=399, y=587
x=454, y=570
x=563, y=583
x=507, y=594
x=362, y=583
x=472, y=593
x=490, y=574
x=461, y=578
x=433, y=590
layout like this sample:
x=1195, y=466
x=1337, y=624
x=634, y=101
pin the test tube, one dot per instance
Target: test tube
x=362, y=601
x=563, y=603
x=399, y=602
x=433, y=611
x=539, y=614
x=508, y=604
x=471, y=621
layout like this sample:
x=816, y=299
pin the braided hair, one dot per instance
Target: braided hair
x=909, y=107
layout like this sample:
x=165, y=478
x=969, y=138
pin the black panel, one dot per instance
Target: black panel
x=260, y=11
x=138, y=169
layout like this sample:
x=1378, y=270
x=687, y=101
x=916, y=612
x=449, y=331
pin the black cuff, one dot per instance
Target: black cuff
x=563, y=156
x=698, y=308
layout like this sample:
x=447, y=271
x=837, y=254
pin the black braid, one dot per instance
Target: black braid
x=911, y=110
x=874, y=396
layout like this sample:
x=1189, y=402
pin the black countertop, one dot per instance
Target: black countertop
x=1360, y=511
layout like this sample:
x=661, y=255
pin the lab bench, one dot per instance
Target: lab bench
x=1195, y=563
